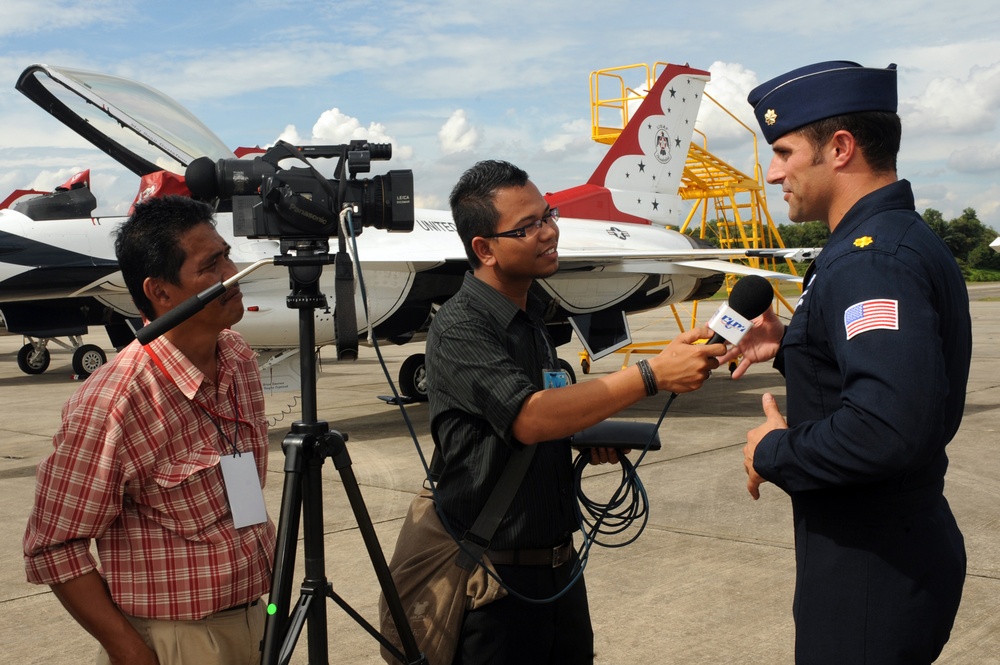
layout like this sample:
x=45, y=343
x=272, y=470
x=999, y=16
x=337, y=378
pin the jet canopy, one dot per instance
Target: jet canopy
x=141, y=128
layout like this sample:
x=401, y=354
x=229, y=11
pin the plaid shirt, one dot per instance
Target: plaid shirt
x=136, y=468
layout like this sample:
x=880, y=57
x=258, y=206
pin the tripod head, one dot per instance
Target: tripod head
x=305, y=268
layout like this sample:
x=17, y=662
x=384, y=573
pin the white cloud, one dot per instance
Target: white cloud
x=729, y=86
x=976, y=159
x=573, y=134
x=28, y=127
x=291, y=135
x=27, y=16
x=458, y=134
x=335, y=127
x=957, y=106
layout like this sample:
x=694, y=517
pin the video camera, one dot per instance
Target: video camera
x=299, y=203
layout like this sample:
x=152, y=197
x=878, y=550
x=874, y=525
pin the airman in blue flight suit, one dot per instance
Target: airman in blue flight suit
x=876, y=360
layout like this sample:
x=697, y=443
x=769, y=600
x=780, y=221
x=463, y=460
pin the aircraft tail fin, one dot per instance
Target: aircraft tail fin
x=638, y=179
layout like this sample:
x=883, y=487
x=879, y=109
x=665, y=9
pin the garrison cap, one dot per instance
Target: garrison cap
x=819, y=91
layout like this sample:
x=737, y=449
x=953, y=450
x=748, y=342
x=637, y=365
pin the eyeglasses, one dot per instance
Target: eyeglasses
x=530, y=228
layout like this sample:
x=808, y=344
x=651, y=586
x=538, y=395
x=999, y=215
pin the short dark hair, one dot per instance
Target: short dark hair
x=877, y=133
x=473, y=198
x=147, y=244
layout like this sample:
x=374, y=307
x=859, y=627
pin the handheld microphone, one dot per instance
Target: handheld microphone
x=750, y=297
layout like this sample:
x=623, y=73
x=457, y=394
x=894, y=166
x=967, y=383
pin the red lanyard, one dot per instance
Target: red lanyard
x=211, y=414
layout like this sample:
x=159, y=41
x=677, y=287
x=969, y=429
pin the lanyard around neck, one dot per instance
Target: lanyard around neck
x=211, y=414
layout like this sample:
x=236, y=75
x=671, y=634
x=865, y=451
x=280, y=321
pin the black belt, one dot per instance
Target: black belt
x=242, y=606
x=551, y=556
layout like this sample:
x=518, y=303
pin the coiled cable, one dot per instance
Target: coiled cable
x=629, y=502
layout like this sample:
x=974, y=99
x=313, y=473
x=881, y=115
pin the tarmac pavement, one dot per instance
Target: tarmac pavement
x=710, y=580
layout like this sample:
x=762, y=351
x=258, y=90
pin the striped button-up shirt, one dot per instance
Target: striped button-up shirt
x=485, y=356
x=136, y=468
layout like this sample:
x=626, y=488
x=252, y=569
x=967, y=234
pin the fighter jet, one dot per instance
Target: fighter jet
x=58, y=272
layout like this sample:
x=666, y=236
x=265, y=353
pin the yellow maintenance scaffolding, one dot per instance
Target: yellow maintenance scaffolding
x=727, y=204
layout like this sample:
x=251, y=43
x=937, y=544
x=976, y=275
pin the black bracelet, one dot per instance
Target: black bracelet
x=648, y=378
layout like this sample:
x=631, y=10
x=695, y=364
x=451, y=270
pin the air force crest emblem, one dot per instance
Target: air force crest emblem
x=662, y=152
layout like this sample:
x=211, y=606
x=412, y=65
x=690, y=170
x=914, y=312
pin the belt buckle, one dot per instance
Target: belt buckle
x=561, y=554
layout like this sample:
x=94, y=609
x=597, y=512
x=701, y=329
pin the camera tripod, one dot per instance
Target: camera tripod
x=309, y=442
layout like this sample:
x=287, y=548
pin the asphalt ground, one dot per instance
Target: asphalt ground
x=709, y=580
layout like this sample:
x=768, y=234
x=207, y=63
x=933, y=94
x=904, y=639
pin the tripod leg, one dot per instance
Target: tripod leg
x=302, y=491
x=287, y=539
x=315, y=583
x=295, y=623
x=342, y=462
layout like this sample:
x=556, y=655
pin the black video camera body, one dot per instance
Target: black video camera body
x=298, y=203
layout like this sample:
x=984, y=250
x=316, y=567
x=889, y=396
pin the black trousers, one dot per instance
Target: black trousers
x=877, y=591
x=511, y=630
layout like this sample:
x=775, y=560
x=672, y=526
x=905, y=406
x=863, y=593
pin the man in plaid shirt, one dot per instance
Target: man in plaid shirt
x=141, y=464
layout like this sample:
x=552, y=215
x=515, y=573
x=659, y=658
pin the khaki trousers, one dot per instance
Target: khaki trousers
x=232, y=637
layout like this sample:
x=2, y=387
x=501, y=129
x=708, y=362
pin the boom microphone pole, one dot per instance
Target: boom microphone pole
x=193, y=305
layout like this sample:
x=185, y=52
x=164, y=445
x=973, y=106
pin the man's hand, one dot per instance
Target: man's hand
x=87, y=599
x=136, y=654
x=683, y=365
x=605, y=455
x=774, y=421
x=759, y=344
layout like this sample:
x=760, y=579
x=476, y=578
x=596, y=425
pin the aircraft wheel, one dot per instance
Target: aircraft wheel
x=31, y=360
x=413, y=378
x=565, y=366
x=585, y=366
x=87, y=359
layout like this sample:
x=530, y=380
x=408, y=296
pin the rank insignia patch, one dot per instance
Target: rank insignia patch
x=863, y=241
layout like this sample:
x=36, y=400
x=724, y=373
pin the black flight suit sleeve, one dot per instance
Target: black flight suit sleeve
x=866, y=409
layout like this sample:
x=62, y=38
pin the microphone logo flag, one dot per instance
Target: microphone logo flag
x=729, y=323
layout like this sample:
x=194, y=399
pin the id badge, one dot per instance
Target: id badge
x=555, y=378
x=246, y=498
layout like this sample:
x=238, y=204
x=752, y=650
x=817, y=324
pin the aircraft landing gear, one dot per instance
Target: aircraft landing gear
x=87, y=358
x=34, y=356
x=413, y=378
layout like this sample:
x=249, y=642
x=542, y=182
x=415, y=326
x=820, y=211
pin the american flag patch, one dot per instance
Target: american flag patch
x=871, y=315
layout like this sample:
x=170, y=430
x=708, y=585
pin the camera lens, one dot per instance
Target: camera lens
x=387, y=201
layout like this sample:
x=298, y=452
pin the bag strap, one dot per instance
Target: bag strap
x=477, y=539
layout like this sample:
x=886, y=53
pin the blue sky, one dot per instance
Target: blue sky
x=452, y=82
